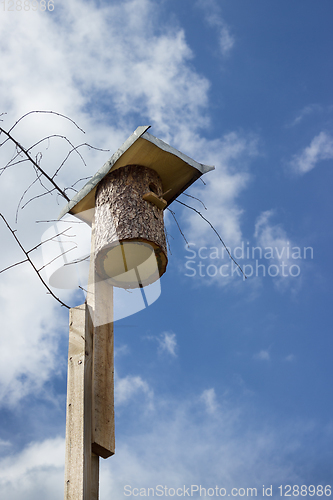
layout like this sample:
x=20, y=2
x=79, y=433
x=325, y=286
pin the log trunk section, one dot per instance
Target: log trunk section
x=122, y=216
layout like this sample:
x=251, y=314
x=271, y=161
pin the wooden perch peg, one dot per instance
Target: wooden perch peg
x=153, y=198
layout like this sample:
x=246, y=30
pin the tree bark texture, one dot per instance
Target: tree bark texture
x=123, y=216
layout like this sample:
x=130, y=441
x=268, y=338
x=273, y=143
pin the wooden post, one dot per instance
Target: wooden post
x=81, y=465
x=90, y=390
x=103, y=425
x=100, y=304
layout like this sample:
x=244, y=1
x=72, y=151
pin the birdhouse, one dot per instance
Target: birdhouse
x=128, y=195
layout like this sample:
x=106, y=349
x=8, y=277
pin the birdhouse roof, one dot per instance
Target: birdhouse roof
x=176, y=170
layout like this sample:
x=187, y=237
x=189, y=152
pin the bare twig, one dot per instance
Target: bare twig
x=18, y=145
x=55, y=220
x=77, y=261
x=50, y=239
x=219, y=237
x=39, y=157
x=22, y=155
x=80, y=180
x=17, y=154
x=32, y=264
x=194, y=198
x=23, y=195
x=70, y=188
x=4, y=142
x=168, y=243
x=59, y=136
x=10, y=164
x=75, y=148
x=57, y=257
x=13, y=265
x=174, y=216
x=45, y=112
x=37, y=196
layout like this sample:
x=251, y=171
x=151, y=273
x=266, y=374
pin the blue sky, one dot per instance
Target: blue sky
x=220, y=382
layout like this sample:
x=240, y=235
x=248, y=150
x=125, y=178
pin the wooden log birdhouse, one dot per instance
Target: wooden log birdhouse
x=127, y=197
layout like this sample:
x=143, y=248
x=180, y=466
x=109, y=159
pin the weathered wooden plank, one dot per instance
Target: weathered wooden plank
x=100, y=304
x=81, y=478
x=103, y=435
x=94, y=483
x=92, y=464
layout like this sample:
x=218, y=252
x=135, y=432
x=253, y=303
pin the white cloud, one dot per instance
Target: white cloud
x=176, y=444
x=320, y=148
x=207, y=451
x=290, y=358
x=128, y=387
x=4, y=443
x=270, y=235
x=209, y=398
x=110, y=57
x=214, y=19
x=218, y=203
x=283, y=260
x=263, y=355
x=121, y=350
x=96, y=63
x=307, y=110
x=37, y=472
x=168, y=343
x=110, y=69
x=29, y=335
x=232, y=154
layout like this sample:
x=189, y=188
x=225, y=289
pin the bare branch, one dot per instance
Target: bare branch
x=50, y=239
x=18, y=145
x=56, y=220
x=70, y=188
x=4, y=142
x=17, y=154
x=168, y=243
x=13, y=265
x=55, y=258
x=45, y=112
x=219, y=237
x=174, y=216
x=39, y=157
x=77, y=261
x=23, y=195
x=37, y=196
x=80, y=180
x=10, y=164
x=75, y=148
x=47, y=138
x=32, y=264
x=194, y=198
